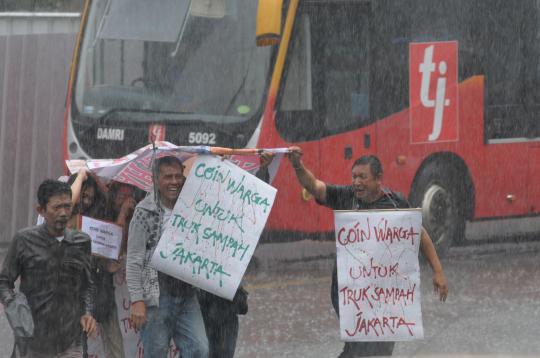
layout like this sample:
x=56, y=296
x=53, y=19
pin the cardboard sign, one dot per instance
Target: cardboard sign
x=378, y=274
x=106, y=237
x=214, y=227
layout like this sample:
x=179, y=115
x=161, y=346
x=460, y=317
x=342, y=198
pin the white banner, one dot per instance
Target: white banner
x=378, y=274
x=215, y=226
x=106, y=237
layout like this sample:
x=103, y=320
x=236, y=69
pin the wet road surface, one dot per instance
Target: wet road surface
x=493, y=308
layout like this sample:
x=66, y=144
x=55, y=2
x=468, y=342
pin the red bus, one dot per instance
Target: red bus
x=446, y=93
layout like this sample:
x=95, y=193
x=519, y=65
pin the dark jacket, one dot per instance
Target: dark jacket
x=56, y=279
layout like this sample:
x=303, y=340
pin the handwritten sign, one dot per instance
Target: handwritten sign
x=378, y=274
x=106, y=237
x=215, y=226
x=130, y=336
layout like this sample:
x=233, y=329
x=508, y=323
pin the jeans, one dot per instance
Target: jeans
x=178, y=318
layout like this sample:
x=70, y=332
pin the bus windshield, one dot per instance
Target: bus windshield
x=172, y=58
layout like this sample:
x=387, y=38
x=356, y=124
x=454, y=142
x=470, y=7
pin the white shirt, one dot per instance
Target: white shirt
x=167, y=213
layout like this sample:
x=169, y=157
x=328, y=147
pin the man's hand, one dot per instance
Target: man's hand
x=138, y=314
x=88, y=324
x=266, y=158
x=440, y=285
x=295, y=155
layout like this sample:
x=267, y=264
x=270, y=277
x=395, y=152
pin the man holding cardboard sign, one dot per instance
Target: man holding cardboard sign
x=162, y=307
x=365, y=193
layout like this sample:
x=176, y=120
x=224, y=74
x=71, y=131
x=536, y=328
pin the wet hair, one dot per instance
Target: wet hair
x=114, y=188
x=168, y=161
x=49, y=188
x=374, y=164
x=96, y=210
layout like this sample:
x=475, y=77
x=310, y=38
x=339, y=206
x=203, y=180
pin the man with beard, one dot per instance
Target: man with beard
x=54, y=265
x=364, y=193
x=162, y=307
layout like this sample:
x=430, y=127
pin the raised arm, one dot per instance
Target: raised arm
x=440, y=284
x=314, y=186
x=76, y=187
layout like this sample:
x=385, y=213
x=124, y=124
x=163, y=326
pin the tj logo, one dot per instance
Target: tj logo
x=426, y=68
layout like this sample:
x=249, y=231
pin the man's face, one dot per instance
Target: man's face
x=57, y=213
x=366, y=187
x=170, y=182
x=88, y=197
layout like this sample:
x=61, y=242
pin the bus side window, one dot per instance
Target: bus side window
x=326, y=89
x=502, y=38
x=297, y=95
x=532, y=79
x=342, y=60
x=295, y=118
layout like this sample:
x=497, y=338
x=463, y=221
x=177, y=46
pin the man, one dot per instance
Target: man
x=162, y=307
x=365, y=193
x=54, y=266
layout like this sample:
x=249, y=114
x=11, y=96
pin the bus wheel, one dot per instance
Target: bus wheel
x=436, y=191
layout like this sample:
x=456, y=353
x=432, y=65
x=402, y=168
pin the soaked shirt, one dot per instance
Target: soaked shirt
x=341, y=197
x=55, y=278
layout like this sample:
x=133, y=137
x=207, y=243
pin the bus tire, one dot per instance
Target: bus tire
x=438, y=190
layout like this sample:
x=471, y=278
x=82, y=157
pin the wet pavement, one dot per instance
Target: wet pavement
x=493, y=308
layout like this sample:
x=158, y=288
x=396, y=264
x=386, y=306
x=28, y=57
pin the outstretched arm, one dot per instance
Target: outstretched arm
x=440, y=284
x=314, y=186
